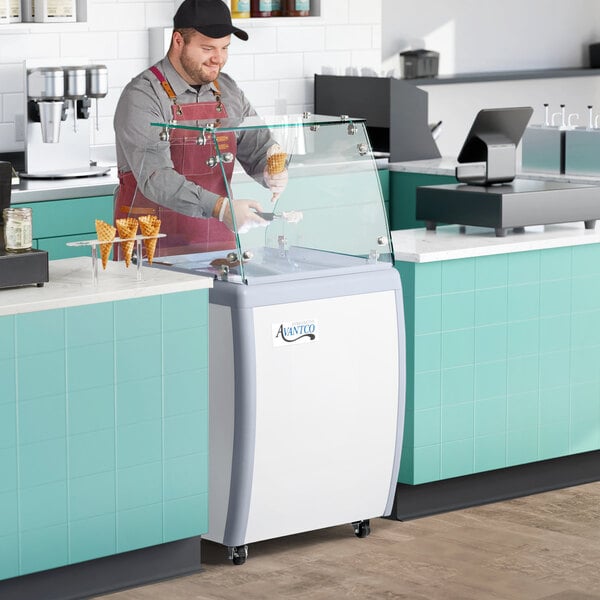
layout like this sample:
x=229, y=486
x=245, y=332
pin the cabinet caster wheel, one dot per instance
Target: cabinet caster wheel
x=238, y=554
x=361, y=528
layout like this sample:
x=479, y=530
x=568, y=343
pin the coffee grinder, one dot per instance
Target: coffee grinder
x=58, y=119
x=18, y=268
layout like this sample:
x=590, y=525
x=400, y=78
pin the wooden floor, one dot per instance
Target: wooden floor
x=545, y=546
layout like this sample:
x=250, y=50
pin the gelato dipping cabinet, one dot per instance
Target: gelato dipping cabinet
x=307, y=346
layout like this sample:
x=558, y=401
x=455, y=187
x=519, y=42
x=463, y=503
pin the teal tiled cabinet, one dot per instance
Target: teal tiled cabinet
x=103, y=425
x=503, y=359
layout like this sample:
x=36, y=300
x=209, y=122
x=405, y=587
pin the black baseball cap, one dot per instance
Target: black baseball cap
x=210, y=17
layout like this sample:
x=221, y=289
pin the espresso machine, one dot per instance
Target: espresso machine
x=58, y=119
x=18, y=268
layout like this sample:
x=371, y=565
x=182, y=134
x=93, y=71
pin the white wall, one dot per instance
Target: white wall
x=275, y=67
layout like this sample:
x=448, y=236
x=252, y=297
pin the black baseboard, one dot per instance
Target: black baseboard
x=108, y=574
x=414, y=501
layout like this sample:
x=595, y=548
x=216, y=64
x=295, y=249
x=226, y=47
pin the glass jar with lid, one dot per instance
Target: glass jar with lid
x=17, y=229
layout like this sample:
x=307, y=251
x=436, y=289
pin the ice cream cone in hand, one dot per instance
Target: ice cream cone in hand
x=150, y=225
x=276, y=158
x=105, y=233
x=127, y=228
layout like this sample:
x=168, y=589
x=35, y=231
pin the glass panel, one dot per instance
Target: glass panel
x=323, y=214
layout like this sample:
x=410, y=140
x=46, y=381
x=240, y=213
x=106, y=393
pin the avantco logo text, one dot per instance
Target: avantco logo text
x=294, y=332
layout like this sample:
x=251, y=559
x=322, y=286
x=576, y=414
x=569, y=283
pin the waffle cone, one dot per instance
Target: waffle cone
x=127, y=228
x=150, y=225
x=105, y=233
x=276, y=163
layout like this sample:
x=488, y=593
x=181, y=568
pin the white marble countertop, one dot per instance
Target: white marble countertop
x=446, y=166
x=447, y=243
x=71, y=285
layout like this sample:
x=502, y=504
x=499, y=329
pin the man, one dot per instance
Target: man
x=172, y=178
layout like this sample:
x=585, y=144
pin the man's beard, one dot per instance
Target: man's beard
x=196, y=72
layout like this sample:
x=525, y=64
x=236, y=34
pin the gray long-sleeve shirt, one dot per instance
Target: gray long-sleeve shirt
x=139, y=149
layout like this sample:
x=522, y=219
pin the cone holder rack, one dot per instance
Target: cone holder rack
x=138, y=245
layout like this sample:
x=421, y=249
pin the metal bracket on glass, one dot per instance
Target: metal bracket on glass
x=213, y=161
x=95, y=243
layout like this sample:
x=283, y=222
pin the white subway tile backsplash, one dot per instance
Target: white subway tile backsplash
x=12, y=104
x=349, y=37
x=278, y=66
x=335, y=11
x=367, y=58
x=7, y=135
x=296, y=91
x=93, y=45
x=240, y=67
x=261, y=93
x=12, y=47
x=300, y=39
x=105, y=17
x=11, y=77
x=260, y=40
x=362, y=12
x=334, y=63
x=133, y=44
x=121, y=72
x=159, y=14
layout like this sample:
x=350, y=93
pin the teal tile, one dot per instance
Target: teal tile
x=43, y=506
x=186, y=434
x=139, y=400
x=523, y=374
x=585, y=293
x=555, y=333
x=139, y=486
x=92, y=496
x=90, y=324
x=586, y=260
x=523, y=302
x=140, y=317
x=491, y=343
x=43, y=549
x=139, y=528
x=555, y=263
x=521, y=446
x=8, y=376
x=458, y=310
x=585, y=402
x=489, y=452
x=43, y=462
x=186, y=517
x=7, y=335
x=90, y=366
x=185, y=309
x=491, y=306
x=523, y=338
x=585, y=436
x=41, y=331
x=8, y=425
x=427, y=427
x=41, y=375
x=8, y=468
x=555, y=405
x=458, y=385
x=91, y=410
x=138, y=358
x=428, y=279
x=490, y=416
x=585, y=365
x=427, y=390
x=406, y=472
x=458, y=275
x=458, y=348
x=92, y=452
x=554, y=440
x=491, y=271
x=186, y=476
x=457, y=458
x=42, y=419
x=185, y=350
x=186, y=391
x=585, y=329
x=554, y=369
x=428, y=349
x=139, y=443
x=457, y=422
x=555, y=297
x=428, y=314
x=8, y=513
x=522, y=410
x=490, y=380
x=9, y=556
x=523, y=267
x=427, y=464
x=93, y=538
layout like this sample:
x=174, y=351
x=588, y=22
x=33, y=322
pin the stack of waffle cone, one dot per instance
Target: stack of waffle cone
x=127, y=229
x=150, y=225
x=105, y=233
x=276, y=158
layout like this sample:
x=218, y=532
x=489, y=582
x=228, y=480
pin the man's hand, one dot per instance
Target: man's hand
x=276, y=183
x=245, y=215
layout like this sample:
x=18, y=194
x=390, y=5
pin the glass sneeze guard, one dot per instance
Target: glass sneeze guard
x=329, y=218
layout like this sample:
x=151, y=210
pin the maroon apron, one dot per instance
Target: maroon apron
x=185, y=234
